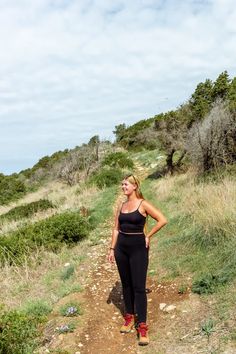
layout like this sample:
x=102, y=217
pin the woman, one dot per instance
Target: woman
x=129, y=247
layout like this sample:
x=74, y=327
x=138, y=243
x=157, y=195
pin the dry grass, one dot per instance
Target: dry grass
x=208, y=204
x=212, y=205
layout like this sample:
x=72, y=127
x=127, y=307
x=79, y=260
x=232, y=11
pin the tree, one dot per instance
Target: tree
x=119, y=132
x=221, y=86
x=201, y=100
x=94, y=142
x=171, y=130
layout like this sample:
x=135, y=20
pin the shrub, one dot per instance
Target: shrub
x=118, y=159
x=26, y=210
x=51, y=233
x=208, y=283
x=11, y=188
x=37, y=309
x=71, y=309
x=211, y=142
x=106, y=177
x=17, y=333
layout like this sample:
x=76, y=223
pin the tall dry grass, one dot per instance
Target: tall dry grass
x=212, y=206
x=209, y=205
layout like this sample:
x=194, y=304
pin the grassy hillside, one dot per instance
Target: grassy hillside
x=196, y=249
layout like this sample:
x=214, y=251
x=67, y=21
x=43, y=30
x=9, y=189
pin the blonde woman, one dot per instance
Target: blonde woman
x=129, y=248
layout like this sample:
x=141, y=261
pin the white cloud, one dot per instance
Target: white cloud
x=72, y=69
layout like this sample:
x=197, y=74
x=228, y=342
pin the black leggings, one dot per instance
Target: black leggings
x=131, y=257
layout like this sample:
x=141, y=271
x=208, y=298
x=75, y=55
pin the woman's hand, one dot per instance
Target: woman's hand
x=111, y=256
x=147, y=241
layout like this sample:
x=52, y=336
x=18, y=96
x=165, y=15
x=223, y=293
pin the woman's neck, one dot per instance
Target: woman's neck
x=131, y=198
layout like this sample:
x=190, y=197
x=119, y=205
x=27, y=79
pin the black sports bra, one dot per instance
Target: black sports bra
x=132, y=222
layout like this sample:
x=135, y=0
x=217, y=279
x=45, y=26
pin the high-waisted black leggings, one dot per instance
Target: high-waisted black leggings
x=131, y=257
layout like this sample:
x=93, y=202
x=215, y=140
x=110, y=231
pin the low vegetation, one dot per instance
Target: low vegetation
x=51, y=233
x=26, y=210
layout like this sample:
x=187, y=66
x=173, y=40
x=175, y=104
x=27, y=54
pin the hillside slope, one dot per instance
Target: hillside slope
x=185, y=329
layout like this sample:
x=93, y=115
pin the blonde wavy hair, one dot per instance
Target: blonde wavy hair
x=134, y=180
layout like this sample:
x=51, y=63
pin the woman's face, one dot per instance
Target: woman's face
x=127, y=187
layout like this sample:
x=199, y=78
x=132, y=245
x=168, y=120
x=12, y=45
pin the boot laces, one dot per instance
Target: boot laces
x=142, y=329
x=128, y=318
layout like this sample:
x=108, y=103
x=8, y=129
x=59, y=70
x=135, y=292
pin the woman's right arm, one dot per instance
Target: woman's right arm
x=115, y=232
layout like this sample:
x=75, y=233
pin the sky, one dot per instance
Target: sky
x=72, y=69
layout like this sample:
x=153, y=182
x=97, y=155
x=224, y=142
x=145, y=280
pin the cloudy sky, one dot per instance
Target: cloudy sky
x=70, y=69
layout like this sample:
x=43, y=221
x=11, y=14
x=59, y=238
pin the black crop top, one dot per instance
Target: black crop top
x=132, y=222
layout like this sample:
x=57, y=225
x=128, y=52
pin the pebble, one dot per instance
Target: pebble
x=162, y=305
x=170, y=308
x=80, y=345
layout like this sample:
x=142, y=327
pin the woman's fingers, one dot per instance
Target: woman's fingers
x=147, y=240
x=111, y=258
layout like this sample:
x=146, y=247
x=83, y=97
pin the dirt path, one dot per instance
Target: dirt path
x=101, y=335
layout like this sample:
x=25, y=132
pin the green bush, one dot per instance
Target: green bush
x=51, y=233
x=208, y=283
x=11, y=188
x=106, y=177
x=118, y=159
x=26, y=210
x=37, y=309
x=17, y=333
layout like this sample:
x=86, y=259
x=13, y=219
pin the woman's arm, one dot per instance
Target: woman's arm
x=157, y=215
x=115, y=232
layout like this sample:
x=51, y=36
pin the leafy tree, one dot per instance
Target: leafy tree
x=221, y=86
x=119, y=132
x=201, y=100
x=94, y=142
x=127, y=136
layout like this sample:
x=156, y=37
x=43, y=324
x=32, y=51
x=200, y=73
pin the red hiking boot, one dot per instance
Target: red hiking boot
x=143, y=334
x=129, y=323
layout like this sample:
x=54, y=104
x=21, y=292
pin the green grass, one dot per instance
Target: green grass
x=102, y=208
x=37, y=309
